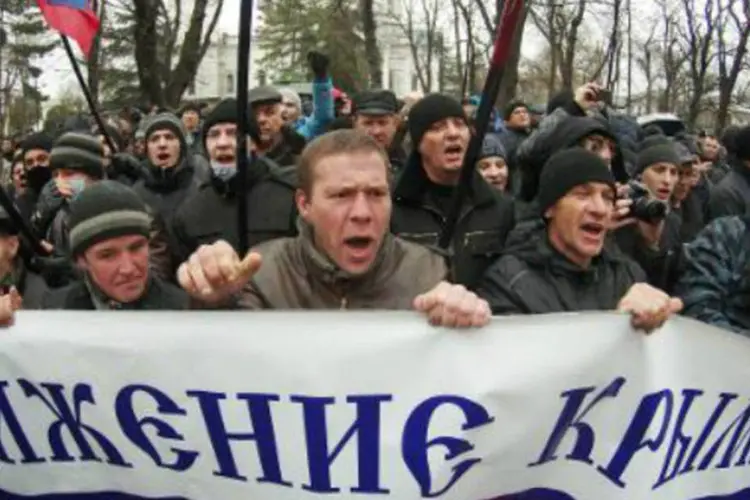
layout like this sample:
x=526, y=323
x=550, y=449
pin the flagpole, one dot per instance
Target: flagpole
x=243, y=130
x=87, y=94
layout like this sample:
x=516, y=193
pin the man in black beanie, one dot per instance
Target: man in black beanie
x=171, y=172
x=35, y=151
x=210, y=213
x=423, y=194
x=565, y=266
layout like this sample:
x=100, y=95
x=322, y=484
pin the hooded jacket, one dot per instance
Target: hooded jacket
x=296, y=275
x=534, y=278
x=419, y=214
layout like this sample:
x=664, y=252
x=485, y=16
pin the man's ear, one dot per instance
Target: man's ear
x=549, y=213
x=81, y=263
x=13, y=244
x=302, y=201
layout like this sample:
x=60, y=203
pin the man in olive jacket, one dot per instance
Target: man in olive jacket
x=344, y=257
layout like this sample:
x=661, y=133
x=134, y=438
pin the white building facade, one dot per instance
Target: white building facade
x=216, y=77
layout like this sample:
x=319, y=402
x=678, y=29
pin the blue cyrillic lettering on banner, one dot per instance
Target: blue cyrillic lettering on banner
x=263, y=434
x=14, y=426
x=741, y=434
x=570, y=417
x=680, y=444
x=635, y=437
x=70, y=419
x=367, y=428
x=415, y=444
x=132, y=426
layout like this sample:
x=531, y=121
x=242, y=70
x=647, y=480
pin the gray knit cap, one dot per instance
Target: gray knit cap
x=105, y=210
x=168, y=121
x=78, y=151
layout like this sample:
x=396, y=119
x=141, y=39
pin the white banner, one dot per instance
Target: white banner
x=300, y=405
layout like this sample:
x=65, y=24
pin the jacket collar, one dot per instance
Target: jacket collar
x=413, y=184
x=168, y=179
x=257, y=168
x=328, y=272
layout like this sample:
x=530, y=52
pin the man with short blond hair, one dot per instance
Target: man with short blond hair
x=344, y=256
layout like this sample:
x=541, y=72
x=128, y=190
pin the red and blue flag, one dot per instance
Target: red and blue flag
x=72, y=18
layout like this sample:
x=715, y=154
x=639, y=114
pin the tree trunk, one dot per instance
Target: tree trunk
x=510, y=78
x=372, y=52
x=93, y=65
x=457, y=47
x=145, y=13
x=191, y=53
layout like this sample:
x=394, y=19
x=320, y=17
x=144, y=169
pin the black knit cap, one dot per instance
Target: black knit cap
x=570, y=168
x=166, y=121
x=226, y=112
x=660, y=149
x=39, y=140
x=105, y=210
x=430, y=110
x=78, y=151
x=512, y=106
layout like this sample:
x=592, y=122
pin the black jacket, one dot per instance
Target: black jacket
x=159, y=296
x=164, y=189
x=210, y=214
x=419, y=215
x=731, y=196
x=30, y=285
x=661, y=265
x=533, y=278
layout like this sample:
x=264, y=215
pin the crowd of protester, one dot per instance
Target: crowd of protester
x=575, y=208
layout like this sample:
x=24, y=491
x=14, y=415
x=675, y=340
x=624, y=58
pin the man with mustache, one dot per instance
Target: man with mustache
x=423, y=194
x=344, y=256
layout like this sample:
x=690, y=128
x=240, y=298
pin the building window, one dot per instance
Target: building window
x=230, y=83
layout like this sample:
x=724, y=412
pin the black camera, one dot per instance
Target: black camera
x=644, y=208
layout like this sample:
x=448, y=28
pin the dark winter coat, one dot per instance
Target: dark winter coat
x=731, y=196
x=715, y=280
x=210, y=214
x=661, y=265
x=419, y=215
x=159, y=296
x=533, y=278
x=164, y=189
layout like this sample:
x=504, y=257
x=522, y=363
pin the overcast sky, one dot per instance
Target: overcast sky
x=58, y=79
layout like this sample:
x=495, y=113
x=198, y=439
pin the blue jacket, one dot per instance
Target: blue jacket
x=715, y=282
x=311, y=127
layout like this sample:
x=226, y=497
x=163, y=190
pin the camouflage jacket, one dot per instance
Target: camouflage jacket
x=715, y=281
